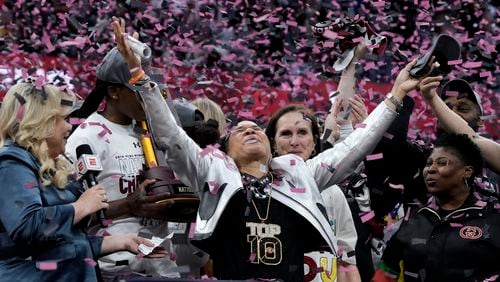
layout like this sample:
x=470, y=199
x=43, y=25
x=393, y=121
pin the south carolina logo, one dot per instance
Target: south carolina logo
x=471, y=232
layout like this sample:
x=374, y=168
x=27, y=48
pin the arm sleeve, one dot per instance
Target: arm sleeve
x=345, y=156
x=96, y=244
x=335, y=201
x=22, y=213
x=182, y=153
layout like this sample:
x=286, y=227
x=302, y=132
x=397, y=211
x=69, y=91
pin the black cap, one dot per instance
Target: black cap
x=461, y=86
x=189, y=115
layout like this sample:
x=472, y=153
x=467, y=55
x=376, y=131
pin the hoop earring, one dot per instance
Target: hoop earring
x=313, y=153
x=466, y=184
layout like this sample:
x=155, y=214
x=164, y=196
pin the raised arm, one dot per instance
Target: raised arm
x=183, y=155
x=452, y=122
x=342, y=159
x=347, y=81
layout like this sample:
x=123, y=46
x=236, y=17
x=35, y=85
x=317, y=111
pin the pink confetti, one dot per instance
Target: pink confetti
x=375, y=157
x=47, y=265
x=158, y=26
x=252, y=257
x=452, y=224
x=214, y=186
x=407, y=215
x=378, y=4
x=192, y=229
x=397, y=186
x=20, y=113
x=107, y=222
x=299, y=190
x=330, y=34
x=348, y=268
x=388, y=135
x=492, y=278
x=454, y=62
x=471, y=65
x=329, y=167
x=233, y=100
x=480, y=203
x=367, y=216
x=31, y=185
x=293, y=162
x=237, y=70
x=173, y=256
x=261, y=18
x=90, y=261
x=76, y=121
x=485, y=74
x=360, y=125
x=209, y=149
x=358, y=40
x=39, y=82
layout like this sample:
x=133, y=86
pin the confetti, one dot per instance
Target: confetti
x=480, y=203
x=47, y=265
x=209, y=149
x=253, y=55
x=397, y=186
x=388, y=135
x=90, y=262
x=252, y=257
x=298, y=190
x=375, y=157
x=366, y=216
x=106, y=222
x=31, y=184
x=214, y=186
x=192, y=229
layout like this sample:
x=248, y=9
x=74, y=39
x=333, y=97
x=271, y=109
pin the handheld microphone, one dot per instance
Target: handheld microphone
x=87, y=167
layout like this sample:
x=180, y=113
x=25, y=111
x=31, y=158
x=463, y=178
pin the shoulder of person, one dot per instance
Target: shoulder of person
x=18, y=154
x=89, y=125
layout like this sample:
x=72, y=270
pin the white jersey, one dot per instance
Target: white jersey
x=342, y=225
x=119, y=149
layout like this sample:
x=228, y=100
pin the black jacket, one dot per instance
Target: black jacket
x=464, y=245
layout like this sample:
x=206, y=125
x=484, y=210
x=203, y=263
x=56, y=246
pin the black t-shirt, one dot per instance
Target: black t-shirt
x=243, y=247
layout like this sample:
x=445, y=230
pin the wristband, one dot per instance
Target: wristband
x=395, y=102
x=136, y=77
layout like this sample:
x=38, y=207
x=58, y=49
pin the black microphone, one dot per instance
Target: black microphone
x=88, y=167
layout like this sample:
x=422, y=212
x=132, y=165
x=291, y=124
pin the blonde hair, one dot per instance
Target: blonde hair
x=211, y=110
x=30, y=127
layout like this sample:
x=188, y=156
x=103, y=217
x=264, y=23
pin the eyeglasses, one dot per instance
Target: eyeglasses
x=440, y=162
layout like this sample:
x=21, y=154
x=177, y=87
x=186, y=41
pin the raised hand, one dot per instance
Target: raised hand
x=428, y=86
x=134, y=63
x=405, y=83
x=331, y=121
x=359, y=111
